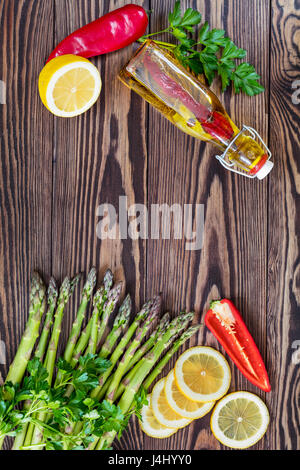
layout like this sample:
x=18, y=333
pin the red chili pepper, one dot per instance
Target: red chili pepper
x=227, y=325
x=213, y=123
x=219, y=127
x=111, y=32
x=174, y=90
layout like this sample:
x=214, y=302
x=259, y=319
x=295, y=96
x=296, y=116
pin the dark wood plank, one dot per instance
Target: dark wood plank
x=96, y=162
x=98, y=157
x=26, y=32
x=182, y=170
x=284, y=223
x=55, y=172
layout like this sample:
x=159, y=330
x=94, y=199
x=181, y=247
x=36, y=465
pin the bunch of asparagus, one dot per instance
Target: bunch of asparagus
x=86, y=398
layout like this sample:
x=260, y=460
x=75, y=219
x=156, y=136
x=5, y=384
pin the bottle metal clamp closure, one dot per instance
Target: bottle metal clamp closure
x=230, y=165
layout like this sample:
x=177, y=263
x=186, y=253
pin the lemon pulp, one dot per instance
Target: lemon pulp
x=240, y=419
x=203, y=374
x=74, y=89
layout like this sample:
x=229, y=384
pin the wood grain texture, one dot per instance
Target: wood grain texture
x=26, y=163
x=95, y=163
x=99, y=156
x=233, y=260
x=283, y=303
x=56, y=172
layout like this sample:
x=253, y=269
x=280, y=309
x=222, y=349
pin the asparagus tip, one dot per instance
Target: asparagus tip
x=164, y=322
x=142, y=314
x=64, y=290
x=108, y=279
x=74, y=281
x=90, y=283
x=52, y=291
x=190, y=332
x=98, y=296
x=124, y=312
x=127, y=303
x=114, y=293
x=156, y=305
x=38, y=289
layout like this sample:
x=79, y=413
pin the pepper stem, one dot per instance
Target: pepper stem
x=213, y=303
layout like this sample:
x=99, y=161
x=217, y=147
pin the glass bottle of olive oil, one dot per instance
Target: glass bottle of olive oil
x=163, y=82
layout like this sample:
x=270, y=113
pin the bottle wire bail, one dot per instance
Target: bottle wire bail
x=226, y=163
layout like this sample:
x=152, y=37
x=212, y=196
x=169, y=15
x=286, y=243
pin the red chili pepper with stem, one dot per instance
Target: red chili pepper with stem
x=225, y=322
x=111, y=32
x=213, y=123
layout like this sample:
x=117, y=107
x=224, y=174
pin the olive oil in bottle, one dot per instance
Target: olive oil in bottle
x=191, y=106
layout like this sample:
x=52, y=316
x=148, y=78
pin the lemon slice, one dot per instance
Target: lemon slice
x=151, y=426
x=202, y=374
x=240, y=420
x=69, y=85
x=162, y=412
x=181, y=404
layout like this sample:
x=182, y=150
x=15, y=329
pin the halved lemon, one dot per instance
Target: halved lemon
x=181, y=404
x=202, y=374
x=240, y=420
x=162, y=411
x=151, y=426
x=69, y=85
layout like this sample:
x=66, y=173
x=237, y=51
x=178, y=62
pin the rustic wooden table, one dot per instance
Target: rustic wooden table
x=55, y=172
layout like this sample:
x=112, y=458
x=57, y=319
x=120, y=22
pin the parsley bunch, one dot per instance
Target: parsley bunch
x=55, y=406
x=65, y=409
x=212, y=53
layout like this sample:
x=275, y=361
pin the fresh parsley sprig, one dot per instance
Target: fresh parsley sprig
x=65, y=409
x=212, y=53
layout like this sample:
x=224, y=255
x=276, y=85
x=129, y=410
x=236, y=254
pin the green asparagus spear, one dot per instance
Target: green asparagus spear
x=111, y=298
x=52, y=294
x=186, y=335
x=99, y=299
x=65, y=292
x=161, y=328
x=40, y=351
x=76, y=327
x=122, y=345
x=120, y=324
x=132, y=348
x=108, y=280
x=133, y=371
x=86, y=333
x=109, y=306
x=145, y=365
x=137, y=355
x=19, y=364
x=92, y=345
x=104, y=388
